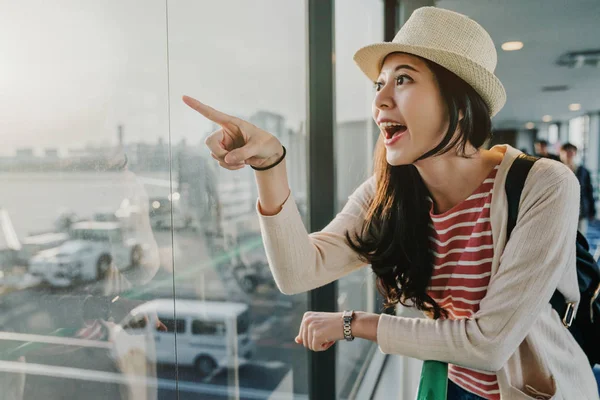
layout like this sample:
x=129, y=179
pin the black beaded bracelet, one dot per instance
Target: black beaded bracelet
x=274, y=164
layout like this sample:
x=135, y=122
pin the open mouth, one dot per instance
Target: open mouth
x=391, y=129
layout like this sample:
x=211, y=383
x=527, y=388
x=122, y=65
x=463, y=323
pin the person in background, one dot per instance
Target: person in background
x=587, y=210
x=541, y=150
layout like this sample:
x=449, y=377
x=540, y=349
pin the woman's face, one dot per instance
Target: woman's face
x=408, y=108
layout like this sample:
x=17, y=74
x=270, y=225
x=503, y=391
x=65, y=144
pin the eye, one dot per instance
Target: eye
x=402, y=79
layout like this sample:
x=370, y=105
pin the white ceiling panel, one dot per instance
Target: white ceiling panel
x=548, y=29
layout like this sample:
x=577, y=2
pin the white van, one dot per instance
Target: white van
x=88, y=255
x=210, y=334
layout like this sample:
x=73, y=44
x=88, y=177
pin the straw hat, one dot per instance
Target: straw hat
x=449, y=39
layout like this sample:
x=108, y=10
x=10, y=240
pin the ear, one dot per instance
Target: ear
x=461, y=115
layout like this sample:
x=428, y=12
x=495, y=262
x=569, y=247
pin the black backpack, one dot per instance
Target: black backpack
x=585, y=326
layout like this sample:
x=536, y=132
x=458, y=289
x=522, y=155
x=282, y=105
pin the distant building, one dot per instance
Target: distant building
x=297, y=162
x=354, y=148
x=51, y=154
x=80, y=153
x=148, y=157
x=272, y=123
x=25, y=154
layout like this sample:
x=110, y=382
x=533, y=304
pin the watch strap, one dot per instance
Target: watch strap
x=347, y=317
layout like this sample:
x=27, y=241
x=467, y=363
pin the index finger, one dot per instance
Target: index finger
x=208, y=112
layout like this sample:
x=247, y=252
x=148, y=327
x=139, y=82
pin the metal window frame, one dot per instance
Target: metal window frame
x=321, y=165
x=321, y=172
x=391, y=21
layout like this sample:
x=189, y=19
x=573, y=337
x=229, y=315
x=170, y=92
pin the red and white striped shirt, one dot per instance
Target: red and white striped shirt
x=462, y=247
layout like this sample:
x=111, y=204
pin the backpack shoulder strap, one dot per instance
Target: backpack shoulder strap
x=515, y=181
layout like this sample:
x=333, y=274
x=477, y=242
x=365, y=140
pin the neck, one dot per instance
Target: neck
x=451, y=178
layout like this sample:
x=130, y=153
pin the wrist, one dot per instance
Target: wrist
x=276, y=155
x=273, y=161
x=364, y=325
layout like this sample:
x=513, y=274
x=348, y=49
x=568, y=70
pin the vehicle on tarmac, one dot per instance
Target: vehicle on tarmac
x=35, y=243
x=249, y=264
x=165, y=213
x=210, y=334
x=89, y=253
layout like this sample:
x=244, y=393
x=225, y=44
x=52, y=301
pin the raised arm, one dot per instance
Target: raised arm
x=299, y=261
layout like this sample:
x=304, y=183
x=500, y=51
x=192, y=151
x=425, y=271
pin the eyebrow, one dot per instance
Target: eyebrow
x=405, y=66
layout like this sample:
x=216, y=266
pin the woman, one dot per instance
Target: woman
x=431, y=222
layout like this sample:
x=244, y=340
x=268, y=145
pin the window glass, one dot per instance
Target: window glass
x=243, y=323
x=255, y=68
x=578, y=134
x=172, y=325
x=78, y=252
x=207, y=327
x=109, y=155
x=552, y=134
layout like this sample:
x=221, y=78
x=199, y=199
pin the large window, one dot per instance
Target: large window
x=247, y=59
x=130, y=260
x=77, y=171
x=552, y=134
x=579, y=134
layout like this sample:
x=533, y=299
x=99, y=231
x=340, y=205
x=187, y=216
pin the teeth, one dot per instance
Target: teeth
x=389, y=124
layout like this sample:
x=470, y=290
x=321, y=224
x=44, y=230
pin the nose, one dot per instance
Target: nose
x=384, y=98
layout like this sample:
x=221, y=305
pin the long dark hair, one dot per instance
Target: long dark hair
x=395, y=235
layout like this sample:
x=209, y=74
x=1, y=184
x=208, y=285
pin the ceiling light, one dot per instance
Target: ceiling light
x=547, y=118
x=575, y=107
x=530, y=125
x=512, y=46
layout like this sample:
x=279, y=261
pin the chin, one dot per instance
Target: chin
x=396, y=159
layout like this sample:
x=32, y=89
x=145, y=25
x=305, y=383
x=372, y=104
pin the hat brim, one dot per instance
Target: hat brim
x=370, y=59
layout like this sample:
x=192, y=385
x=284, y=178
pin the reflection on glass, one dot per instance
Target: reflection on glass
x=131, y=266
x=77, y=172
x=239, y=329
x=208, y=334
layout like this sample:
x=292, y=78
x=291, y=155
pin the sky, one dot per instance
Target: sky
x=71, y=71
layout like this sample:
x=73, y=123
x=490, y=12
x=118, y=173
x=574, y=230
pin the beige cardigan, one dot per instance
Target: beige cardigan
x=515, y=332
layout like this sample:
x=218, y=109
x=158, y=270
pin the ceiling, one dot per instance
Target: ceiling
x=548, y=29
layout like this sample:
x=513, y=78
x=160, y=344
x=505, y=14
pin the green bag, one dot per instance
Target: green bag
x=434, y=381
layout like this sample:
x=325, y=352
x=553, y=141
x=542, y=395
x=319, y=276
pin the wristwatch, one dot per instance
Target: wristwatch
x=347, y=316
